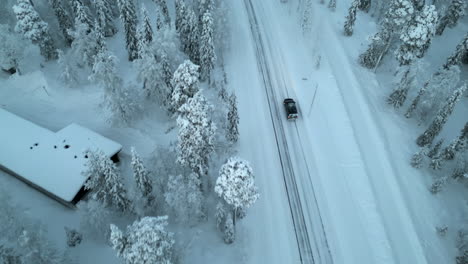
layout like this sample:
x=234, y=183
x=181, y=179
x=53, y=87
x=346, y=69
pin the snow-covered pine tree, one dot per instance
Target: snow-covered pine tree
x=168, y=73
x=363, y=5
x=159, y=23
x=36, y=249
x=84, y=44
x=129, y=19
x=162, y=4
x=441, y=86
x=144, y=35
x=181, y=13
x=332, y=5
x=439, y=121
x=229, y=229
x=457, y=145
x=418, y=4
x=232, y=133
x=351, y=18
x=82, y=14
x=145, y=241
x=454, y=12
x=146, y=28
x=105, y=17
x=435, y=150
x=398, y=96
x=192, y=33
x=418, y=158
x=236, y=186
x=457, y=56
x=306, y=16
x=399, y=13
x=150, y=73
x=104, y=72
x=185, y=83
x=65, y=22
x=94, y=219
x=207, y=48
x=67, y=74
x=184, y=196
x=12, y=46
x=196, y=134
x=141, y=176
x=34, y=28
x=74, y=237
x=104, y=181
x=220, y=215
x=417, y=35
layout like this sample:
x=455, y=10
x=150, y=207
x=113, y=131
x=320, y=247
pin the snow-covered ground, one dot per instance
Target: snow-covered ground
x=360, y=200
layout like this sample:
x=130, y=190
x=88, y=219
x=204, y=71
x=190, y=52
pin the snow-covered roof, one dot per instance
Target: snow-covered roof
x=52, y=161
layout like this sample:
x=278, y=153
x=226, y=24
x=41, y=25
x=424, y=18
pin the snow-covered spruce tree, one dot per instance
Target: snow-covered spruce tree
x=351, y=18
x=84, y=44
x=399, y=13
x=192, y=33
x=306, y=16
x=232, y=133
x=104, y=72
x=207, y=48
x=82, y=14
x=457, y=56
x=9, y=255
x=461, y=166
x=441, y=86
x=185, y=83
x=439, y=121
x=220, y=215
x=74, y=237
x=145, y=241
x=141, y=176
x=236, y=186
x=398, y=96
x=12, y=46
x=181, y=13
x=418, y=158
x=150, y=72
x=104, y=17
x=196, y=134
x=145, y=30
x=332, y=5
x=32, y=27
x=104, y=181
x=363, y=5
x=94, y=219
x=184, y=196
x=65, y=22
x=229, y=229
x=454, y=12
x=417, y=35
x=162, y=4
x=129, y=20
x=36, y=249
x=418, y=4
x=457, y=145
x=67, y=75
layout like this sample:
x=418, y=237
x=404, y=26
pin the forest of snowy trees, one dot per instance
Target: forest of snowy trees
x=173, y=59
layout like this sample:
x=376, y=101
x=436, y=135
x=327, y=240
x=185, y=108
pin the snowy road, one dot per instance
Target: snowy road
x=340, y=183
x=307, y=220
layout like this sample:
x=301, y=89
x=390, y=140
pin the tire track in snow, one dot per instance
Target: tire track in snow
x=318, y=251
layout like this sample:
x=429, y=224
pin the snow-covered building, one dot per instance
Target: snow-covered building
x=48, y=161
